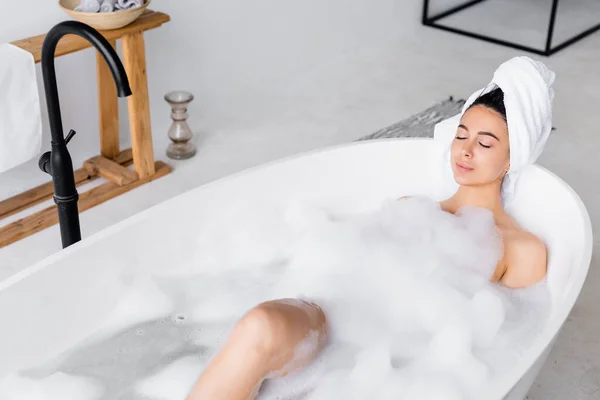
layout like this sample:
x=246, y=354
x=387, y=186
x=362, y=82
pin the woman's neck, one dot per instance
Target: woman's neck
x=476, y=196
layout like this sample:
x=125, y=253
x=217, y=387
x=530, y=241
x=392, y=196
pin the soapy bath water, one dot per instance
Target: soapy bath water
x=405, y=289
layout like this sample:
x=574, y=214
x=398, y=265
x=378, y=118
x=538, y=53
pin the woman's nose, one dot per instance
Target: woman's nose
x=466, y=151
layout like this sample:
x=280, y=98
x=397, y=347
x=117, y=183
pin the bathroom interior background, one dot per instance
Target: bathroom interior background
x=274, y=78
x=306, y=72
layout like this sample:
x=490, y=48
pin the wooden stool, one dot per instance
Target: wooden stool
x=112, y=163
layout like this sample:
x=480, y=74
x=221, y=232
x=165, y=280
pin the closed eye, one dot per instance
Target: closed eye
x=463, y=138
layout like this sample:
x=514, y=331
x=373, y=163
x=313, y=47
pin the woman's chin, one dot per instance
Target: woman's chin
x=462, y=180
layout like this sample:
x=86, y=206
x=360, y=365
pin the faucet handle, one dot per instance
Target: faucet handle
x=70, y=136
x=44, y=162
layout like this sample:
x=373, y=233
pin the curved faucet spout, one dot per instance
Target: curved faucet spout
x=59, y=163
x=47, y=62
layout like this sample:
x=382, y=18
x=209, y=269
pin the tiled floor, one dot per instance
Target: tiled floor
x=389, y=70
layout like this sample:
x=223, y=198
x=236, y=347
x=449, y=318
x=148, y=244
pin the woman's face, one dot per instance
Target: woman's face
x=480, y=150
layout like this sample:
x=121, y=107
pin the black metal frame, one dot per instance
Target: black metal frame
x=548, y=51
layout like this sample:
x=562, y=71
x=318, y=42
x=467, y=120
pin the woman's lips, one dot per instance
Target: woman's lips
x=463, y=167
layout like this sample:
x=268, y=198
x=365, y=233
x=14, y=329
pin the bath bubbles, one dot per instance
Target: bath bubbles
x=407, y=296
x=174, y=381
x=238, y=239
x=143, y=302
x=488, y=314
x=58, y=386
x=405, y=288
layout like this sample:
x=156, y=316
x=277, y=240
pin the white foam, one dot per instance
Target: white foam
x=388, y=279
x=405, y=289
x=58, y=386
x=488, y=314
x=238, y=240
x=143, y=302
x=174, y=381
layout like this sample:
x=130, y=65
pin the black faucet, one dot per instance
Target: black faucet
x=58, y=161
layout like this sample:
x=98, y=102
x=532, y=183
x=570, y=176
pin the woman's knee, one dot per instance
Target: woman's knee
x=257, y=328
x=276, y=323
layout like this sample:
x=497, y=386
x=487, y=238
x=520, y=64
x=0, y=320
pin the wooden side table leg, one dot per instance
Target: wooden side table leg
x=108, y=108
x=134, y=60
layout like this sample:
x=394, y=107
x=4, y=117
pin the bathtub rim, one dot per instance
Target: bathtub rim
x=140, y=215
x=501, y=385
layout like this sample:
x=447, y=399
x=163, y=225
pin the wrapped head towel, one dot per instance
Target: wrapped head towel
x=528, y=96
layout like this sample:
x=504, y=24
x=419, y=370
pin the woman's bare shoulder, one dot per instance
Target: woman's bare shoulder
x=525, y=258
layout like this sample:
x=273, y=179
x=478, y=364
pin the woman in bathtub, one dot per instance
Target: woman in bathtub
x=262, y=343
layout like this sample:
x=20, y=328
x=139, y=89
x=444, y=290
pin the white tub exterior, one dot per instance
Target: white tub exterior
x=58, y=301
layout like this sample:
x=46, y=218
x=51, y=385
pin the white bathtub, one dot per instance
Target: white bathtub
x=57, y=302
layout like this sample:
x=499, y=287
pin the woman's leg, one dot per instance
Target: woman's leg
x=260, y=345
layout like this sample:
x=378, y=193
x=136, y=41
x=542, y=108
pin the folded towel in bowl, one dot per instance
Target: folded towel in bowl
x=88, y=6
x=108, y=6
x=127, y=4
